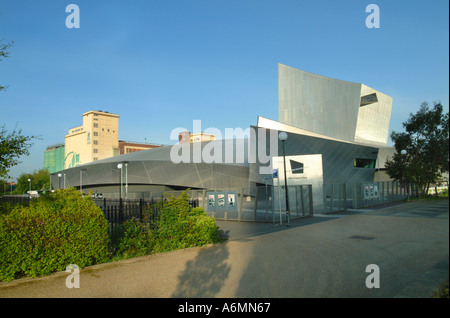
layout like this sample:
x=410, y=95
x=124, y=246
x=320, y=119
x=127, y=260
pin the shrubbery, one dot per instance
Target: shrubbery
x=64, y=228
x=50, y=233
x=177, y=226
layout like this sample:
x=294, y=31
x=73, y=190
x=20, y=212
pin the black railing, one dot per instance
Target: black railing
x=118, y=211
x=15, y=199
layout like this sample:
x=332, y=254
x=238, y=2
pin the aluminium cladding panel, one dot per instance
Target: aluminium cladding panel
x=157, y=172
x=337, y=158
x=373, y=119
x=317, y=103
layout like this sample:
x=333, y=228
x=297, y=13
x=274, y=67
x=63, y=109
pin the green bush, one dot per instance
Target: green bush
x=50, y=233
x=179, y=227
x=5, y=208
x=176, y=227
x=136, y=239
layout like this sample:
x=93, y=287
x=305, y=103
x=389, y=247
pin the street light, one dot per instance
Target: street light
x=81, y=180
x=283, y=137
x=403, y=152
x=126, y=180
x=119, y=166
x=29, y=186
x=59, y=181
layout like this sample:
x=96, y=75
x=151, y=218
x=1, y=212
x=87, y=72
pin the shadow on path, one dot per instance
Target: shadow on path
x=205, y=275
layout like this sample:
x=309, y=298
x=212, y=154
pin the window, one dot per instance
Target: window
x=95, y=125
x=365, y=163
x=368, y=99
x=95, y=158
x=95, y=133
x=95, y=142
x=95, y=150
x=297, y=167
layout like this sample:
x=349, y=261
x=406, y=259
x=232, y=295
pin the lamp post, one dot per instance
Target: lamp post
x=29, y=186
x=81, y=180
x=59, y=181
x=283, y=136
x=126, y=179
x=403, y=152
x=119, y=166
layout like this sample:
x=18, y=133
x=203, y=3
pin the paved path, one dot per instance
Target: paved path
x=320, y=256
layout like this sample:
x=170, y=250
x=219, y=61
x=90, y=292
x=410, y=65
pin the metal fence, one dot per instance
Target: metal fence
x=118, y=211
x=15, y=199
x=260, y=204
x=385, y=192
x=340, y=197
x=334, y=198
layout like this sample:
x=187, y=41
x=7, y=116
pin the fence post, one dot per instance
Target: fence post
x=273, y=203
x=302, y=199
x=256, y=205
x=240, y=204
x=344, y=192
x=120, y=211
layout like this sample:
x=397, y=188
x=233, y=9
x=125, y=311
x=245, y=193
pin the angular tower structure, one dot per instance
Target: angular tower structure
x=334, y=108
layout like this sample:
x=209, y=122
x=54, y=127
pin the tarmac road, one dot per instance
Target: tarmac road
x=320, y=256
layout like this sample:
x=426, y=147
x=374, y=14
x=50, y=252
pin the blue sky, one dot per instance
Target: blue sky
x=162, y=64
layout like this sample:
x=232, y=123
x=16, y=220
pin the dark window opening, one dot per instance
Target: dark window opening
x=365, y=163
x=297, y=167
x=368, y=99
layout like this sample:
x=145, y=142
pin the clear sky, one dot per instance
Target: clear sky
x=162, y=64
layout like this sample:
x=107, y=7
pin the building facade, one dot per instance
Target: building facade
x=187, y=137
x=335, y=108
x=129, y=147
x=337, y=134
x=54, y=158
x=97, y=138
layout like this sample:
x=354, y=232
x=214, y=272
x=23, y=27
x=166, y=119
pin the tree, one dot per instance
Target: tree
x=4, y=46
x=426, y=148
x=40, y=180
x=12, y=146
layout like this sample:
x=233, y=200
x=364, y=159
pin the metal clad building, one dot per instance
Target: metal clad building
x=335, y=130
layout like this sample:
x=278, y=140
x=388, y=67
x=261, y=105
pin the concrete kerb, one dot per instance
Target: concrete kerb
x=60, y=274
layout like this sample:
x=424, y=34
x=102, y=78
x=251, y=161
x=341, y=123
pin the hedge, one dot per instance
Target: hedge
x=52, y=232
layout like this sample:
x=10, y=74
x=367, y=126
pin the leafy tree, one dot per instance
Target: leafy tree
x=426, y=148
x=4, y=46
x=40, y=180
x=12, y=146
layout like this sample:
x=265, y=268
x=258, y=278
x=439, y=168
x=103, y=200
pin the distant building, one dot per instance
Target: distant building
x=96, y=139
x=54, y=158
x=129, y=147
x=187, y=137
